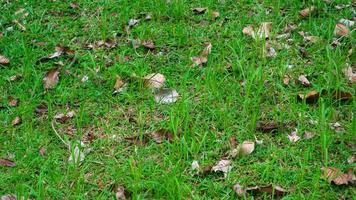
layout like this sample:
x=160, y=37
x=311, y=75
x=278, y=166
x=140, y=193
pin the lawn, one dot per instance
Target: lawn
x=266, y=106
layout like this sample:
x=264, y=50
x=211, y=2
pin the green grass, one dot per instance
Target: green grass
x=213, y=106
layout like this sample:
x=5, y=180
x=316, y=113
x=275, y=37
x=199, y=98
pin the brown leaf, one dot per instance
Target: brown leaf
x=222, y=166
x=264, y=30
x=334, y=175
x=246, y=148
x=310, y=97
x=248, y=30
x=7, y=163
x=199, y=61
x=119, y=85
x=276, y=190
x=4, y=60
x=9, y=197
x=121, y=193
x=233, y=142
x=138, y=139
x=303, y=80
x=59, y=51
x=199, y=10
x=306, y=12
x=16, y=121
x=13, y=102
x=166, y=96
x=41, y=109
x=351, y=159
x=149, y=44
x=341, y=30
x=74, y=5
x=342, y=95
x=308, y=135
x=286, y=80
x=270, y=127
x=215, y=14
x=350, y=75
x=207, y=50
x=240, y=191
x=155, y=80
x=42, y=151
x=162, y=134
x=293, y=137
x=51, y=78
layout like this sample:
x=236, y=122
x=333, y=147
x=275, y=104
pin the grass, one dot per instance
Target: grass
x=212, y=108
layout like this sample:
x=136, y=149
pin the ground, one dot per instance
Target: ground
x=220, y=102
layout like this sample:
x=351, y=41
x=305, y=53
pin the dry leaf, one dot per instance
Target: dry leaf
x=4, y=60
x=207, y=50
x=350, y=75
x=16, y=121
x=7, y=163
x=286, y=80
x=248, y=30
x=138, y=139
x=195, y=166
x=306, y=12
x=149, y=44
x=233, y=142
x=334, y=175
x=347, y=22
x=51, y=78
x=84, y=79
x=293, y=137
x=246, y=148
x=155, y=80
x=341, y=30
x=310, y=97
x=215, y=14
x=74, y=5
x=120, y=193
x=351, y=159
x=119, y=85
x=199, y=61
x=270, y=127
x=9, y=197
x=271, y=52
x=264, y=30
x=240, y=191
x=166, y=96
x=303, y=80
x=59, y=51
x=42, y=151
x=276, y=190
x=199, y=10
x=133, y=22
x=342, y=95
x=13, y=102
x=136, y=43
x=15, y=77
x=308, y=135
x=161, y=135
x=222, y=166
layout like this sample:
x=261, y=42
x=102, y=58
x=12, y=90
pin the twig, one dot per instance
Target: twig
x=55, y=131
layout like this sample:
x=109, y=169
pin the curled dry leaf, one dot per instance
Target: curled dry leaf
x=286, y=80
x=276, y=190
x=306, y=12
x=199, y=10
x=342, y=95
x=62, y=118
x=293, y=137
x=121, y=193
x=240, y=191
x=336, y=176
x=13, y=102
x=248, y=30
x=246, y=148
x=16, y=121
x=199, y=61
x=222, y=166
x=119, y=85
x=351, y=159
x=42, y=151
x=350, y=75
x=149, y=44
x=310, y=97
x=9, y=197
x=303, y=80
x=51, y=78
x=7, y=163
x=166, y=96
x=162, y=134
x=215, y=14
x=4, y=60
x=59, y=51
x=341, y=30
x=155, y=80
x=41, y=109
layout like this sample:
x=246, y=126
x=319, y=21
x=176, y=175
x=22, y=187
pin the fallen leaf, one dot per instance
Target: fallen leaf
x=199, y=61
x=335, y=175
x=21, y=26
x=286, y=80
x=350, y=75
x=9, y=197
x=310, y=97
x=240, y=191
x=341, y=30
x=269, y=127
x=248, y=30
x=293, y=137
x=303, y=80
x=41, y=109
x=7, y=163
x=16, y=121
x=161, y=135
x=233, y=142
x=199, y=10
x=133, y=22
x=13, y=102
x=347, y=22
x=15, y=77
x=264, y=30
x=306, y=12
x=271, y=52
x=222, y=166
x=119, y=85
x=276, y=190
x=74, y=5
x=42, y=151
x=336, y=126
x=155, y=80
x=4, y=60
x=51, y=78
x=138, y=139
x=308, y=135
x=351, y=159
x=136, y=43
x=59, y=51
x=120, y=193
x=62, y=118
x=195, y=166
x=215, y=14
x=342, y=95
x=149, y=44
x=207, y=50
x=166, y=96
x=246, y=148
